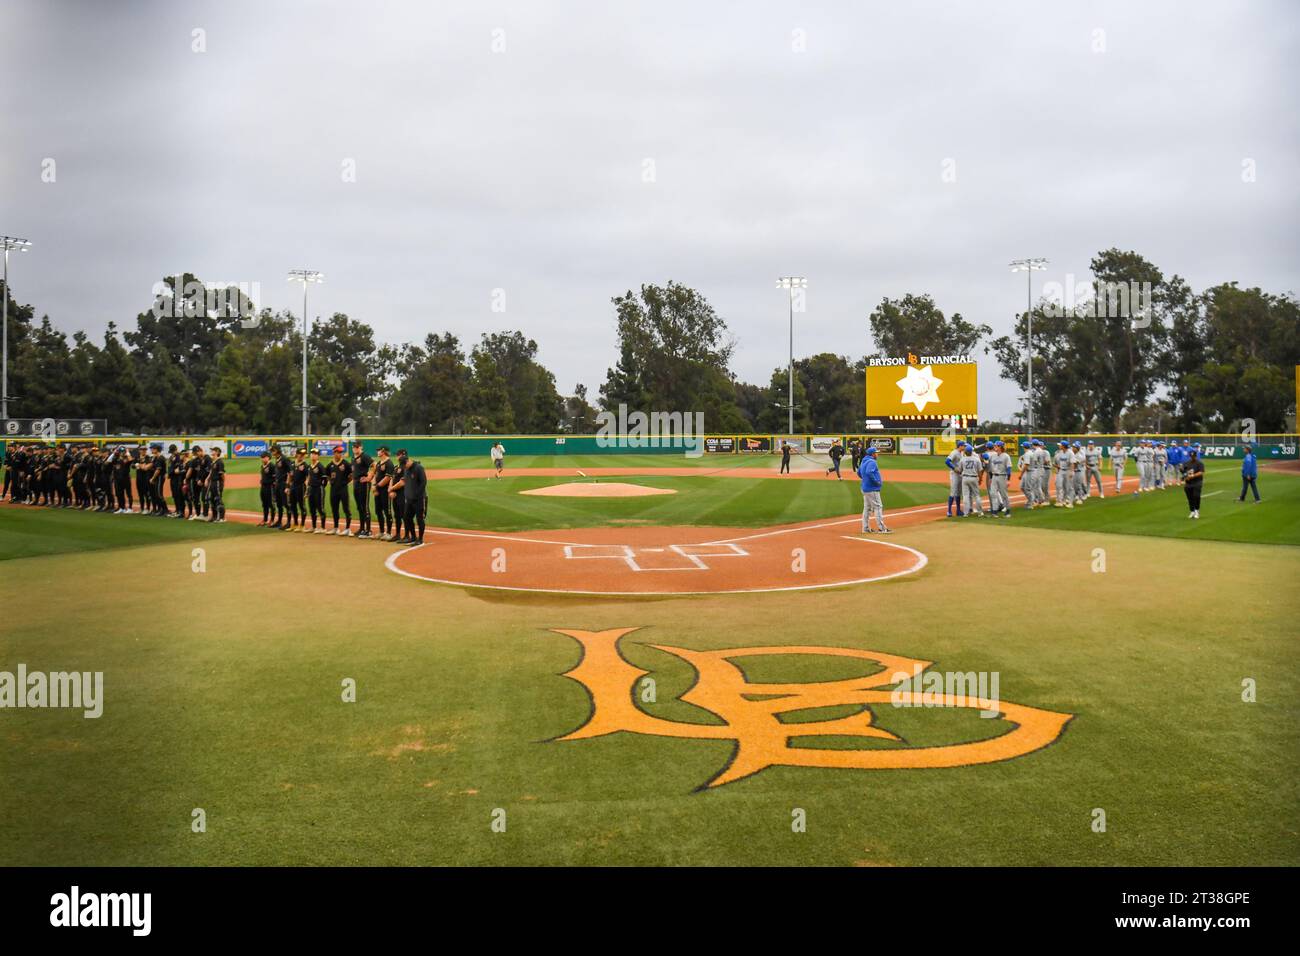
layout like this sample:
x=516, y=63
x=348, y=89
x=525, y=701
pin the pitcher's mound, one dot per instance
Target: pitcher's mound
x=607, y=489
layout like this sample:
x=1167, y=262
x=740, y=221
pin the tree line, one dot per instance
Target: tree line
x=1174, y=360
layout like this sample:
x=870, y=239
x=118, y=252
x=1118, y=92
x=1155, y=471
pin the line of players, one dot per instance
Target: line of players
x=113, y=479
x=293, y=490
x=1076, y=467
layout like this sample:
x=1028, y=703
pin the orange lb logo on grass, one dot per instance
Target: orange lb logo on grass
x=750, y=711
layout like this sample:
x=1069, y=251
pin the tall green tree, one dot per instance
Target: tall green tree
x=915, y=324
x=674, y=351
x=834, y=390
x=535, y=404
x=1104, y=353
x=1252, y=345
x=433, y=386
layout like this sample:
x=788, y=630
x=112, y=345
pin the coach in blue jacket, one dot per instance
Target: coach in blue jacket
x=872, y=482
x=1249, y=472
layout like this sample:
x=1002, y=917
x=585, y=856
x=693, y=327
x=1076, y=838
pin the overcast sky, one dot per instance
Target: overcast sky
x=782, y=138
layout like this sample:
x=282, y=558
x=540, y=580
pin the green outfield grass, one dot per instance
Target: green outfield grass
x=223, y=693
x=30, y=531
x=1276, y=520
x=706, y=463
x=491, y=504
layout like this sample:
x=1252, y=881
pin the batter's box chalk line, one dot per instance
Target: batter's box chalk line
x=692, y=555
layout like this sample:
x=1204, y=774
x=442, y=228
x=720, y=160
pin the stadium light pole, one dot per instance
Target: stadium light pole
x=22, y=245
x=1029, y=267
x=306, y=277
x=791, y=283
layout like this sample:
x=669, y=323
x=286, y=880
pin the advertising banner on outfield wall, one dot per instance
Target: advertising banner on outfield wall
x=914, y=445
x=885, y=445
x=250, y=447
x=717, y=445
x=754, y=443
x=798, y=443
x=821, y=444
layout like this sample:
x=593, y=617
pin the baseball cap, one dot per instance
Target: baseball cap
x=871, y=450
x=999, y=444
x=339, y=449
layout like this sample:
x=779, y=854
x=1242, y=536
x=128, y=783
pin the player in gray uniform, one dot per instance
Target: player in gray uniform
x=999, y=479
x=1161, y=458
x=1043, y=460
x=1034, y=474
x=1026, y=483
x=1064, y=464
x=1092, y=466
x=1144, y=458
x=970, y=467
x=1080, y=475
x=1118, y=459
x=953, y=461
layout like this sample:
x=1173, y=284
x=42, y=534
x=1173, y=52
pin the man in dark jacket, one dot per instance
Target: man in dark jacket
x=836, y=453
x=1193, y=474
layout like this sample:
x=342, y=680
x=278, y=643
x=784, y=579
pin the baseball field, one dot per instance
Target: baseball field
x=705, y=676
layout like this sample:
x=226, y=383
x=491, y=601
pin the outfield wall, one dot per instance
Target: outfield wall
x=1214, y=446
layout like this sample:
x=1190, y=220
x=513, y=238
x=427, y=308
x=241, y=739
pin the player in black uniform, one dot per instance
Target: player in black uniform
x=63, y=490
x=199, y=467
x=298, y=492
x=217, y=486
x=140, y=462
x=103, y=481
x=158, y=484
x=266, y=482
x=80, y=477
x=316, y=492
x=397, y=498
x=121, y=480
x=281, y=486
x=383, y=477
x=176, y=478
x=414, y=484
x=339, y=473
x=361, y=481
